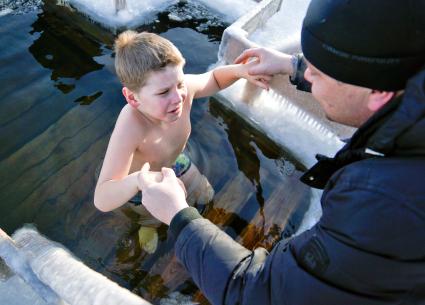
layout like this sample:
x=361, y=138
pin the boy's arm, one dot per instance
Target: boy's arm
x=222, y=77
x=114, y=186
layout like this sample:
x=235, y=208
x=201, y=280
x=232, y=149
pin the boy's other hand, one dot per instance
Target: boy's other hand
x=163, y=198
x=149, y=176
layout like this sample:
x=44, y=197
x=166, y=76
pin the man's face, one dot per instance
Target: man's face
x=343, y=103
x=162, y=97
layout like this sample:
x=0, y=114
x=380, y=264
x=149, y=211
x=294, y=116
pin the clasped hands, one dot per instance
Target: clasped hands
x=164, y=195
x=263, y=63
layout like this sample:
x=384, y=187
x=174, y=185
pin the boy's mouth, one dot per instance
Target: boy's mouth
x=175, y=110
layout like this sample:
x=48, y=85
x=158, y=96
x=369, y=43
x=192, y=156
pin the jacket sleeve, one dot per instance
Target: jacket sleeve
x=221, y=267
x=225, y=271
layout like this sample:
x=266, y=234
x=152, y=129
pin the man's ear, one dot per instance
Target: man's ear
x=377, y=99
x=130, y=97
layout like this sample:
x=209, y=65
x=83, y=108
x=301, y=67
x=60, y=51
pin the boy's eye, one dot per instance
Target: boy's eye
x=180, y=85
x=163, y=92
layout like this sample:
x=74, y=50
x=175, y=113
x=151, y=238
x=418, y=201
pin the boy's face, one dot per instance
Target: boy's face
x=162, y=96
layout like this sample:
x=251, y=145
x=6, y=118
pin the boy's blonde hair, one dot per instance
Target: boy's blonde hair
x=137, y=54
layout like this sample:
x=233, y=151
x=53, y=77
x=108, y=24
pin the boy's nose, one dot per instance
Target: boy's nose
x=176, y=97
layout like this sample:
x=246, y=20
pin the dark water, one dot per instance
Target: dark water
x=59, y=99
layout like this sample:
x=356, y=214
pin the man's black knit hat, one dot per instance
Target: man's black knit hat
x=378, y=44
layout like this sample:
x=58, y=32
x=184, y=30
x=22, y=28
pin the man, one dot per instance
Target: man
x=364, y=61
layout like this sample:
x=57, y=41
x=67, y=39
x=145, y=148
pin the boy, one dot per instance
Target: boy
x=155, y=124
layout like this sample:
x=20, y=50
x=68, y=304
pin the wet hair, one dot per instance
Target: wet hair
x=137, y=54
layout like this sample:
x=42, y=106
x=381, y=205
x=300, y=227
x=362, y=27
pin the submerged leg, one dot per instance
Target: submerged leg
x=147, y=233
x=148, y=239
x=199, y=190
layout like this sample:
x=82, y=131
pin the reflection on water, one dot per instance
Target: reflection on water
x=58, y=103
x=64, y=51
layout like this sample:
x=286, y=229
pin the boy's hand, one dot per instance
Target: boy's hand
x=150, y=176
x=269, y=61
x=260, y=80
x=155, y=177
x=163, y=198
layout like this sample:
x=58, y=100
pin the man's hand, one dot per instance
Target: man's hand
x=269, y=61
x=162, y=198
x=260, y=80
x=149, y=176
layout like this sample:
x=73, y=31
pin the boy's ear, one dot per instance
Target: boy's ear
x=377, y=99
x=130, y=97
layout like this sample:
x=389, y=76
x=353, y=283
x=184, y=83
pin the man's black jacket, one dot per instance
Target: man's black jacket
x=367, y=248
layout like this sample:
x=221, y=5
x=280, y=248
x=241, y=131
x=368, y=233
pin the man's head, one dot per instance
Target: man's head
x=151, y=70
x=345, y=103
x=368, y=47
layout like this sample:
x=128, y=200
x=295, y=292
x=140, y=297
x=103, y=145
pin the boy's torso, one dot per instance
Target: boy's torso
x=160, y=145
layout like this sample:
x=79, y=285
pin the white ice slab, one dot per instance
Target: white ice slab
x=230, y=9
x=284, y=122
x=14, y=291
x=104, y=11
x=5, y=12
x=142, y=11
x=283, y=30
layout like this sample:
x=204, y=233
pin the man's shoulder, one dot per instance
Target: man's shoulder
x=383, y=169
x=372, y=199
x=390, y=179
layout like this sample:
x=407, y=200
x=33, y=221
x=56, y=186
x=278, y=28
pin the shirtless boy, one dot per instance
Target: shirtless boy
x=155, y=124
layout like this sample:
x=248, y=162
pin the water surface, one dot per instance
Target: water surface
x=59, y=100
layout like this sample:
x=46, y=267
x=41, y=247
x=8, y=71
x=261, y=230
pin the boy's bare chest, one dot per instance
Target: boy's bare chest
x=162, y=146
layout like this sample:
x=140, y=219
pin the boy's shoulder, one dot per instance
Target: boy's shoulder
x=191, y=81
x=190, y=78
x=130, y=122
x=128, y=113
x=195, y=83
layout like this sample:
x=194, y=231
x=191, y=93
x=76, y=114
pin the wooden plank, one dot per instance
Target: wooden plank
x=47, y=149
x=52, y=161
x=230, y=200
x=267, y=225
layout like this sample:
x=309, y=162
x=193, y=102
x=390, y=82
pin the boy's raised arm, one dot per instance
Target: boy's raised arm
x=114, y=186
x=222, y=77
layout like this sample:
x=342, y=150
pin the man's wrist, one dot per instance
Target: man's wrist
x=181, y=219
x=287, y=64
x=294, y=66
x=297, y=77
